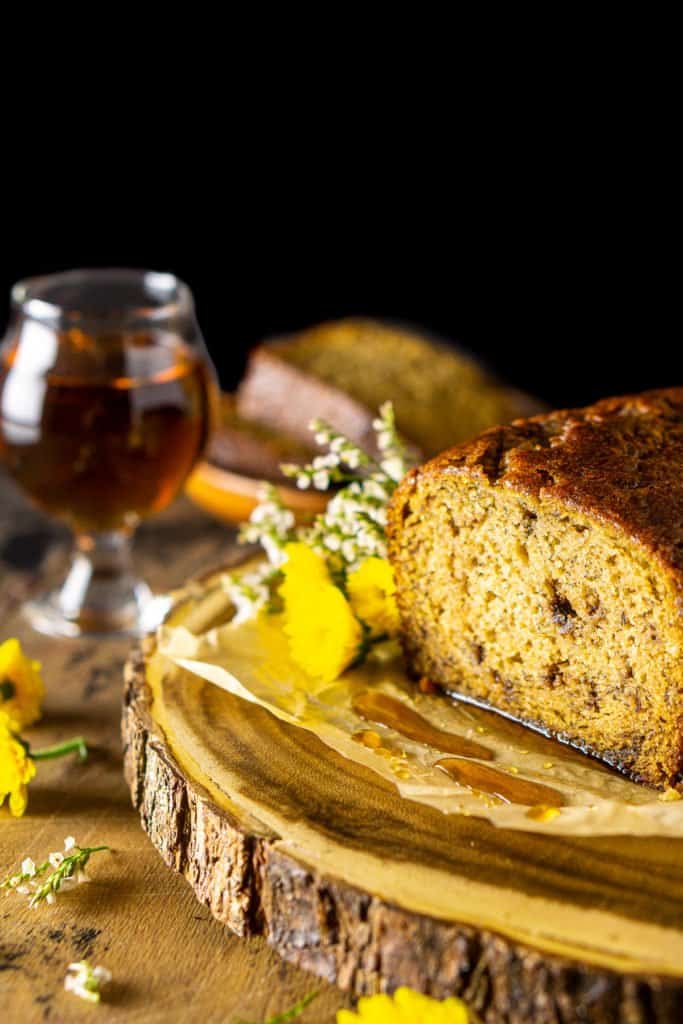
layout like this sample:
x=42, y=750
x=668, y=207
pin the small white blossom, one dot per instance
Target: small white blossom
x=321, y=480
x=375, y=490
x=56, y=859
x=69, y=844
x=394, y=468
x=348, y=550
x=28, y=867
x=273, y=549
x=84, y=981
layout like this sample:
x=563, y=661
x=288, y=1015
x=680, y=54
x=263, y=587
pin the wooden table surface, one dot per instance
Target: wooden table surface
x=170, y=960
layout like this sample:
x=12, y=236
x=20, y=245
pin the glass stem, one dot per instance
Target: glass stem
x=77, y=745
x=101, y=591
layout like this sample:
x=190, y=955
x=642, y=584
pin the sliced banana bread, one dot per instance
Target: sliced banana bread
x=252, y=449
x=540, y=571
x=342, y=371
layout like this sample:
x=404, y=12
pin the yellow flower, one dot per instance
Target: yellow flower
x=302, y=570
x=371, y=592
x=21, y=685
x=406, y=1007
x=324, y=635
x=16, y=768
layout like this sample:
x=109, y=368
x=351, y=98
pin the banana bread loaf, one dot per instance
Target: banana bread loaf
x=539, y=571
x=342, y=371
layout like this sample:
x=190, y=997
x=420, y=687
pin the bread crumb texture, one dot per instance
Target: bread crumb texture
x=539, y=569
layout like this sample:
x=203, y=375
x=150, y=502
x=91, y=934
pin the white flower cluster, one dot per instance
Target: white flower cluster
x=68, y=871
x=354, y=525
x=339, y=465
x=85, y=981
x=250, y=591
x=271, y=525
x=395, y=462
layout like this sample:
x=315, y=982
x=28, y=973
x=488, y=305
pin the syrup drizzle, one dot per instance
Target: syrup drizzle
x=378, y=707
x=508, y=788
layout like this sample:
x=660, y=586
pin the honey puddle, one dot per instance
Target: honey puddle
x=511, y=790
x=377, y=707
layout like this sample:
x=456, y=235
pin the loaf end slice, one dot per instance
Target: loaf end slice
x=343, y=370
x=539, y=571
x=246, y=447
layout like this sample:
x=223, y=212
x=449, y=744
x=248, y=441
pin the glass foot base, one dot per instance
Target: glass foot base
x=143, y=615
x=101, y=595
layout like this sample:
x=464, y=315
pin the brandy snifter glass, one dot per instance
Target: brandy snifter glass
x=106, y=401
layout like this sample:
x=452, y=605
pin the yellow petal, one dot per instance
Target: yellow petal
x=16, y=768
x=324, y=635
x=371, y=588
x=18, y=801
x=26, y=690
x=406, y=1007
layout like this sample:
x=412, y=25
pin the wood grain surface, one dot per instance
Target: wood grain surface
x=280, y=835
x=170, y=959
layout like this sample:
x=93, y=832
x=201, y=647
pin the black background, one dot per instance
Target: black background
x=571, y=296
x=516, y=189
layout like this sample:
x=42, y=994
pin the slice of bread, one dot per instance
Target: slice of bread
x=342, y=371
x=252, y=449
x=539, y=571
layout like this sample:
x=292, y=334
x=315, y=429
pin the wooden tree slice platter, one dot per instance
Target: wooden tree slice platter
x=279, y=835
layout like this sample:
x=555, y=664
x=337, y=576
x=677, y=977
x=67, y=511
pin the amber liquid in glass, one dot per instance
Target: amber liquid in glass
x=103, y=450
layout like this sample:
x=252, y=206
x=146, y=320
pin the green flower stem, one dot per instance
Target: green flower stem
x=292, y=1013
x=77, y=745
x=69, y=866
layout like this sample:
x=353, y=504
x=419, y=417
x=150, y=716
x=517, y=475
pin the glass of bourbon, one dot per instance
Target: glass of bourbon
x=106, y=401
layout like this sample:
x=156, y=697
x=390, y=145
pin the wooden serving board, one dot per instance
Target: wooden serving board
x=278, y=835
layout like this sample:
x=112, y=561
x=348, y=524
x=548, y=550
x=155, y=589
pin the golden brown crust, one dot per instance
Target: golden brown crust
x=618, y=461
